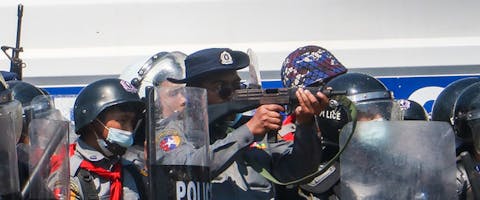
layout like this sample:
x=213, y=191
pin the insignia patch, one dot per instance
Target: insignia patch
x=168, y=140
x=128, y=87
x=226, y=58
x=404, y=104
x=258, y=145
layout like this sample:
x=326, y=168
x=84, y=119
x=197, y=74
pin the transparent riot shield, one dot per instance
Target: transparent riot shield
x=178, y=144
x=398, y=160
x=48, y=153
x=9, y=129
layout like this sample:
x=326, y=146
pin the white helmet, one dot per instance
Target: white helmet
x=155, y=70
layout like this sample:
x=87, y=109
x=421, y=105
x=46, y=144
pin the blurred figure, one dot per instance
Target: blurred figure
x=24, y=92
x=466, y=123
x=442, y=109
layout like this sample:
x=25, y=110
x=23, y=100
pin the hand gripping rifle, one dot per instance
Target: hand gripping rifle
x=16, y=64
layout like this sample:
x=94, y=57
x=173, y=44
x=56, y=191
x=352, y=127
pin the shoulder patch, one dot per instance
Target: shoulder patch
x=168, y=139
x=128, y=87
x=258, y=145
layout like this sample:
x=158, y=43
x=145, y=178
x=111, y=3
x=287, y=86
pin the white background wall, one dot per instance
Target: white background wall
x=101, y=37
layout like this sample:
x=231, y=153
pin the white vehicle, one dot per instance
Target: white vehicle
x=415, y=47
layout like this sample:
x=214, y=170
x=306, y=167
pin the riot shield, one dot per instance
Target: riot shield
x=9, y=184
x=398, y=160
x=178, y=144
x=48, y=153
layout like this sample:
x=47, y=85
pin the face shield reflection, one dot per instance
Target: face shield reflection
x=378, y=110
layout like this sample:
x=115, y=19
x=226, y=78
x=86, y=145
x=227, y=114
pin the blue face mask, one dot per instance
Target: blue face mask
x=118, y=136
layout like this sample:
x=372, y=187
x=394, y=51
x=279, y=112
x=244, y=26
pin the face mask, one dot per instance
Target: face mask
x=118, y=136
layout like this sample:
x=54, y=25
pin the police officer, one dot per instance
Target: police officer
x=151, y=71
x=442, y=109
x=24, y=92
x=312, y=66
x=244, y=148
x=105, y=114
x=466, y=123
x=373, y=101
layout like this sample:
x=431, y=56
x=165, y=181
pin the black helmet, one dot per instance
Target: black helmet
x=365, y=91
x=360, y=87
x=442, y=109
x=25, y=92
x=413, y=110
x=466, y=112
x=371, y=97
x=99, y=95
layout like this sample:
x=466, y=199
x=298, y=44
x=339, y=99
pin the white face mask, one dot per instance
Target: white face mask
x=119, y=136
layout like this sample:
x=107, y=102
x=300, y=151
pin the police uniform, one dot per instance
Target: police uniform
x=101, y=185
x=287, y=161
x=221, y=152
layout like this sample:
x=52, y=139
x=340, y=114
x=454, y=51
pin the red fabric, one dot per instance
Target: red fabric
x=114, y=176
x=289, y=120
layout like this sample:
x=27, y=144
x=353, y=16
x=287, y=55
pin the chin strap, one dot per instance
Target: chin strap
x=343, y=101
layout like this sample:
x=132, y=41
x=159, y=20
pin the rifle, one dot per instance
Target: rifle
x=16, y=64
x=247, y=99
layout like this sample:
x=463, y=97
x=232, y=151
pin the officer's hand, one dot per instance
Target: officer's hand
x=266, y=117
x=309, y=105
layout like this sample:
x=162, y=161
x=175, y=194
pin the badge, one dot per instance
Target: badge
x=258, y=145
x=168, y=140
x=226, y=58
x=128, y=87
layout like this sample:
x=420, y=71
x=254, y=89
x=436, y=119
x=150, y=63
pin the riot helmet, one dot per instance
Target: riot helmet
x=371, y=97
x=100, y=95
x=155, y=70
x=442, y=109
x=308, y=65
x=466, y=115
x=25, y=93
x=412, y=110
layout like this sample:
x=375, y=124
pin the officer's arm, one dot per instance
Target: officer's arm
x=224, y=151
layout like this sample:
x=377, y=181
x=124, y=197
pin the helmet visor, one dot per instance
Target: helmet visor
x=378, y=110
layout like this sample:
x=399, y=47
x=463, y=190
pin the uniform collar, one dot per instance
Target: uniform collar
x=88, y=152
